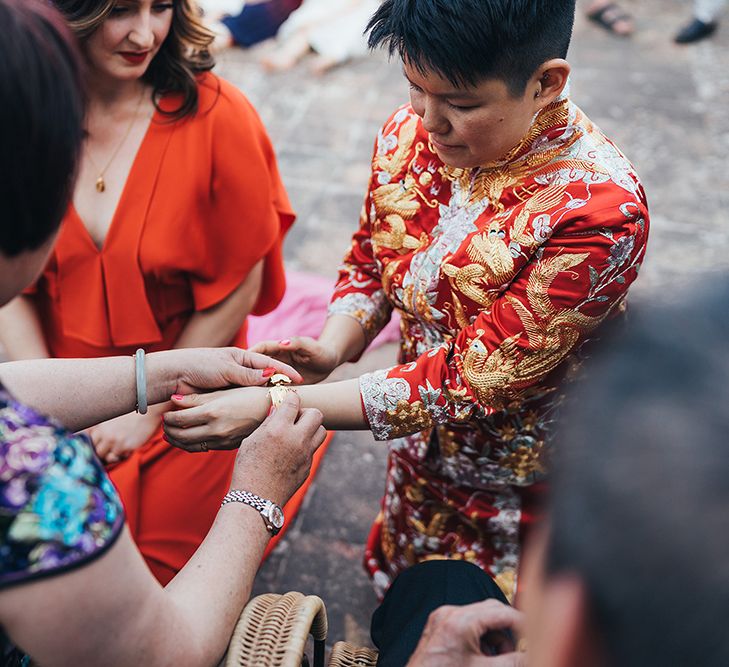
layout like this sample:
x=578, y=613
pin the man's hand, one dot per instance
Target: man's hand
x=470, y=636
x=313, y=360
x=275, y=460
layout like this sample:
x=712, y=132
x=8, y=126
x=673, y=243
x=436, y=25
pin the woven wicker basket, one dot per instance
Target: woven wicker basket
x=346, y=655
x=273, y=629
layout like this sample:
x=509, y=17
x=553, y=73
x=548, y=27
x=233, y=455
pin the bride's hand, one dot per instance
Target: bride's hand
x=196, y=370
x=308, y=356
x=220, y=420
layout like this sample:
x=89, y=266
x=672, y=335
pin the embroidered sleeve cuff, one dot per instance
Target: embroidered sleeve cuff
x=388, y=406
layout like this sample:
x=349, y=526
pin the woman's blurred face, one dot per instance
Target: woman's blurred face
x=125, y=44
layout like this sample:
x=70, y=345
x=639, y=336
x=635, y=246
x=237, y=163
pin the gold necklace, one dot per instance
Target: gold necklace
x=100, y=182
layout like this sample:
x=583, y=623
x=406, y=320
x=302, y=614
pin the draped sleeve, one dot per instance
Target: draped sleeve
x=248, y=212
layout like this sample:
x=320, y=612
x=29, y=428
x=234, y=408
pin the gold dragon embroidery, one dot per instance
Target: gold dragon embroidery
x=490, y=181
x=551, y=334
x=395, y=203
x=393, y=235
x=493, y=264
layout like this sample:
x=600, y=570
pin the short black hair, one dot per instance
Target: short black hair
x=466, y=41
x=641, y=486
x=41, y=123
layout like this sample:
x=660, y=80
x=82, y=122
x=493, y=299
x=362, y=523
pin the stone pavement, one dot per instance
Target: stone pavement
x=665, y=106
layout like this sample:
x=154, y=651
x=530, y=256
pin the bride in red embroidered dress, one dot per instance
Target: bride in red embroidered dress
x=505, y=228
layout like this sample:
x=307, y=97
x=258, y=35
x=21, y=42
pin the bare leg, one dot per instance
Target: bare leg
x=322, y=64
x=288, y=54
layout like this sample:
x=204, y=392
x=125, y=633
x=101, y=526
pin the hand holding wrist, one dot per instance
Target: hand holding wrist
x=275, y=459
x=186, y=371
x=163, y=376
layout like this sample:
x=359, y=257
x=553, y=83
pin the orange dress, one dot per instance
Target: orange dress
x=202, y=205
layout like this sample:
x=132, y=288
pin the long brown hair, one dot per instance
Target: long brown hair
x=183, y=55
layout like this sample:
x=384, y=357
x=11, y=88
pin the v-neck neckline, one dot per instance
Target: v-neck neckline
x=115, y=269
x=122, y=197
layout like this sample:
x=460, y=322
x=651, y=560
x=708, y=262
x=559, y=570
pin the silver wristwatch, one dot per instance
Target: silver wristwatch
x=272, y=514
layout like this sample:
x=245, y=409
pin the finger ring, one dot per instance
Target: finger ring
x=204, y=447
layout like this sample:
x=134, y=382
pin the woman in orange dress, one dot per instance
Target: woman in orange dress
x=177, y=223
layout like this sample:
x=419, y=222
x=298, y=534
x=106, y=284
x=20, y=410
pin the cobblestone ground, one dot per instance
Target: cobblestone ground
x=665, y=106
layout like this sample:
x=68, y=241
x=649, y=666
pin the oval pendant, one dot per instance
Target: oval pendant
x=100, y=185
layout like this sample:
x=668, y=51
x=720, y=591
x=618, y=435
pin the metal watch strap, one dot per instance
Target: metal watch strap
x=257, y=503
x=246, y=497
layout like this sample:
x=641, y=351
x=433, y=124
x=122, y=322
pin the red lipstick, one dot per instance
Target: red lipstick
x=134, y=57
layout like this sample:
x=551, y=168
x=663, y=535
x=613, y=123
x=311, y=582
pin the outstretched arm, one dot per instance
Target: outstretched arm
x=342, y=339
x=82, y=392
x=221, y=419
x=116, y=439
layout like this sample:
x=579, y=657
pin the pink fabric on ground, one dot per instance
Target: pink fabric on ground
x=303, y=311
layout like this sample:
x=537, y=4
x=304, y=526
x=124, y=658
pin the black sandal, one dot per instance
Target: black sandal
x=608, y=16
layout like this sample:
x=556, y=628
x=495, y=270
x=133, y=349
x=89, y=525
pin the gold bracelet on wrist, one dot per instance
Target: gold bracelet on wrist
x=279, y=384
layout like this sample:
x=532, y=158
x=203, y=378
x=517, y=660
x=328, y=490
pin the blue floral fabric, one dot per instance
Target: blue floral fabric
x=58, y=508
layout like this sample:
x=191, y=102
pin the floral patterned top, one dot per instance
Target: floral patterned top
x=500, y=274
x=58, y=509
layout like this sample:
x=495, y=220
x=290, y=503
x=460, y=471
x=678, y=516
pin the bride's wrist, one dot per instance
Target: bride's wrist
x=261, y=403
x=335, y=349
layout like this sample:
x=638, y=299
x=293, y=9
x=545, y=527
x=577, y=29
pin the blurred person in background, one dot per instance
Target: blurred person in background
x=332, y=29
x=173, y=236
x=611, y=16
x=704, y=22
x=506, y=229
x=246, y=25
x=633, y=571
x=74, y=589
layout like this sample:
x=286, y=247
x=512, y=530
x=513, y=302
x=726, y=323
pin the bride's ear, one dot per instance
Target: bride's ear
x=549, y=81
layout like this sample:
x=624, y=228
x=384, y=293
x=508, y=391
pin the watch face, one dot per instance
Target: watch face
x=276, y=516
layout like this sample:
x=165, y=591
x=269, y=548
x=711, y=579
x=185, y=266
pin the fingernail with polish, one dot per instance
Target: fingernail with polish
x=177, y=397
x=285, y=342
x=271, y=410
x=268, y=372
